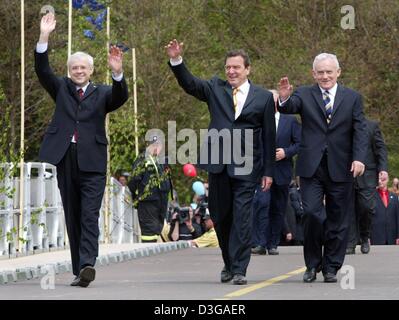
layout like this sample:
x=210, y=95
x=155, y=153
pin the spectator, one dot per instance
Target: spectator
x=288, y=136
x=123, y=178
x=183, y=226
x=385, y=223
x=208, y=238
x=292, y=230
x=376, y=163
x=395, y=186
x=260, y=220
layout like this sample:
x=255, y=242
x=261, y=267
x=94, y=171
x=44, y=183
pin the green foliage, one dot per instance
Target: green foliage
x=282, y=38
x=141, y=166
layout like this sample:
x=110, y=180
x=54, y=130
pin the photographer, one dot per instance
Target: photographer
x=208, y=238
x=183, y=226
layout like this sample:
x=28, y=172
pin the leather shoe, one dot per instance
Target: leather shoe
x=75, y=282
x=86, y=275
x=273, y=251
x=330, y=277
x=365, y=246
x=225, y=275
x=239, y=279
x=309, y=275
x=258, y=250
x=350, y=250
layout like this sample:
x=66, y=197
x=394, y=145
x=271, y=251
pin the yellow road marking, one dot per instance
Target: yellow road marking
x=264, y=284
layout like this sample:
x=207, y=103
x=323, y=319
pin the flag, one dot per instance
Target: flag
x=89, y=34
x=78, y=4
x=94, y=6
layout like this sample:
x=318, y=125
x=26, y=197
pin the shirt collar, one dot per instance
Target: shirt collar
x=83, y=88
x=332, y=91
x=244, y=88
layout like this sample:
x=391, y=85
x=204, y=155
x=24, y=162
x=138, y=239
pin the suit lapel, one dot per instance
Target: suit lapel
x=316, y=92
x=250, y=96
x=228, y=91
x=89, y=90
x=281, y=123
x=72, y=90
x=339, y=96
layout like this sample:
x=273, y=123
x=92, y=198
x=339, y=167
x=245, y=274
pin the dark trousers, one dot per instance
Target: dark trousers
x=81, y=194
x=278, y=206
x=230, y=206
x=331, y=230
x=151, y=218
x=261, y=206
x=360, y=217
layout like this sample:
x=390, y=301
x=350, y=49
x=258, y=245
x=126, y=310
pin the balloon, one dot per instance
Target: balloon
x=189, y=170
x=199, y=188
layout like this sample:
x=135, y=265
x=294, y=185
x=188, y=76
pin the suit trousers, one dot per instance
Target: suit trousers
x=261, y=207
x=81, y=194
x=230, y=206
x=278, y=206
x=330, y=230
x=360, y=217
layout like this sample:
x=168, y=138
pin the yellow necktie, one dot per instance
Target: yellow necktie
x=235, y=102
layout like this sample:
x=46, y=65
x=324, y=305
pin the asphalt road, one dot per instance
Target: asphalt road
x=193, y=274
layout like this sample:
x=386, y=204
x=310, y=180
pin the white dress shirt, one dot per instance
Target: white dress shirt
x=277, y=117
x=331, y=93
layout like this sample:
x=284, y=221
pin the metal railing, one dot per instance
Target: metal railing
x=43, y=225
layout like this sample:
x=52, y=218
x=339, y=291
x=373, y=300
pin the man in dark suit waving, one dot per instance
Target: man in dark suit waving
x=332, y=152
x=242, y=123
x=75, y=141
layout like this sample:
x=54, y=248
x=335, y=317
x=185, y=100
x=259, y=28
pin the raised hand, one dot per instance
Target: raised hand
x=115, y=59
x=284, y=89
x=47, y=24
x=174, y=49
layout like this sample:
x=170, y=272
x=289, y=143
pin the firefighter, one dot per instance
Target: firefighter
x=150, y=185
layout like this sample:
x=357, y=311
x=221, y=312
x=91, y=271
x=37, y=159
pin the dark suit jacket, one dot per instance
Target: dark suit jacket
x=288, y=137
x=376, y=157
x=344, y=139
x=385, y=221
x=87, y=116
x=257, y=115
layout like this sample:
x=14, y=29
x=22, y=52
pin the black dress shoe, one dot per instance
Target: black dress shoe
x=86, y=275
x=365, y=246
x=75, y=282
x=273, y=251
x=225, y=275
x=309, y=275
x=239, y=279
x=350, y=250
x=330, y=277
x=258, y=250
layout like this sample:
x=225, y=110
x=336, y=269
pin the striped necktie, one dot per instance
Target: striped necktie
x=327, y=105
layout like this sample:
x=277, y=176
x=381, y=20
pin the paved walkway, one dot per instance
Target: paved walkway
x=31, y=266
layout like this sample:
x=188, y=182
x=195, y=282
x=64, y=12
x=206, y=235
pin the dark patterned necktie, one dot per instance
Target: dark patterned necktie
x=81, y=94
x=327, y=105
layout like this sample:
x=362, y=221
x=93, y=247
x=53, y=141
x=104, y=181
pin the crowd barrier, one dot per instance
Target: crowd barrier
x=43, y=222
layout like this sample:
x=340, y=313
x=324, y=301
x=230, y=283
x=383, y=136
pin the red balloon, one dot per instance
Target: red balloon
x=189, y=170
